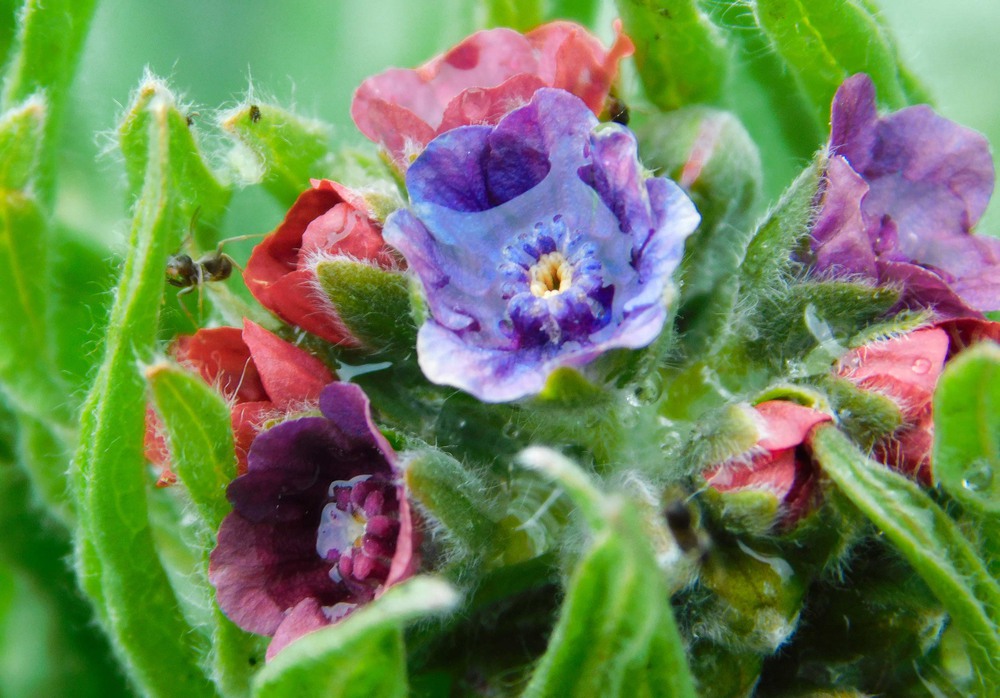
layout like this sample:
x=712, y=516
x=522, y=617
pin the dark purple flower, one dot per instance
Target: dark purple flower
x=902, y=193
x=320, y=523
x=540, y=243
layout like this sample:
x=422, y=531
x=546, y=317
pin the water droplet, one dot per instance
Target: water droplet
x=979, y=477
x=510, y=431
x=920, y=366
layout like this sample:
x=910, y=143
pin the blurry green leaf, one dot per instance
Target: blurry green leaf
x=197, y=423
x=929, y=540
x=21, y=136
x=616, y=634
x=521, y=15
x=682, y=57
x=824, y=42
x=53, y=641
x=290, y=149
x=26, y=361
x=967, y=428
x=374, y=304
x=49, y=39
x=766, y=96
x=582, y=11
x=362, y=656
x=108, y=475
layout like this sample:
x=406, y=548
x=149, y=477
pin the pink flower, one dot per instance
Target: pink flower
x=261, y=375
x=777, y=463
x=480, y=80
x=326, y=221
x=906, y=370
x=320, y=523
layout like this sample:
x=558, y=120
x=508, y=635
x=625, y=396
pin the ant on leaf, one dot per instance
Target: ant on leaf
x=188, y=274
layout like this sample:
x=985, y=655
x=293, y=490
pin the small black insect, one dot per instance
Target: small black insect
x=188, y=274
x=254, y=113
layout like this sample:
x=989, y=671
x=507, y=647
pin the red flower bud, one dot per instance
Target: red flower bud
x=327, y=221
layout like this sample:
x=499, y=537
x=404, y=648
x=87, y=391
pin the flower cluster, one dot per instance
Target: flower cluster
x=537, y=264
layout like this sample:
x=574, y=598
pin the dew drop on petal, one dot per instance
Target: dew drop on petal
x=920, y=366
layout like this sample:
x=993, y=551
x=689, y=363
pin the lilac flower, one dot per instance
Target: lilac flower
x=902, y=194
x=540, y=243
x=320, y=523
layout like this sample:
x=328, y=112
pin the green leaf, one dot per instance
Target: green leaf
x=116, y=552
x=197, y=422
x=49, y=40
x=581, y=11
x=374, y=304
x=362, y=655
x=823, y=42
x=201, y=197
x=681, y=56
x=288, y=148
x=929, y=540
x=967, y=428
x=616, y=634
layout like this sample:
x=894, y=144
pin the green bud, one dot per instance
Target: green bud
x=373, y=303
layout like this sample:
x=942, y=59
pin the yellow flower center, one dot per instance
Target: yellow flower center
x=550, y=275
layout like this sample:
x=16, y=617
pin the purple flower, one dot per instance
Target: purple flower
x=902, y=193
x=320, y=523
x=540, y=243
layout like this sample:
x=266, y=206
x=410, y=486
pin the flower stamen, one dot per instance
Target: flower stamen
x=551, y=275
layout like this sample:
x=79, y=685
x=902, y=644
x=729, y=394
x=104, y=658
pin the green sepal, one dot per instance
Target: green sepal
x=712, y=156
x=928, y=539
x=811, y=322
x=363, y=655
x=197, y=424
x=288, y=148
x=768, y=260
x=727, y=432
x=823, y=42
x=865, y=415
x=456, y=498
x=116, y=554
x=373, y=303
x=967, y=429
x=724, y=673
x=755, y=602
x=616, y=634
x=567, y=387
x=747, y=512
x=681, y=56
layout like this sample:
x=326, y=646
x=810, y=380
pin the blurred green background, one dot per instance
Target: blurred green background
x=311, y=56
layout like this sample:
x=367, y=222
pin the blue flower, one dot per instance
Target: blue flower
x=540, y=243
